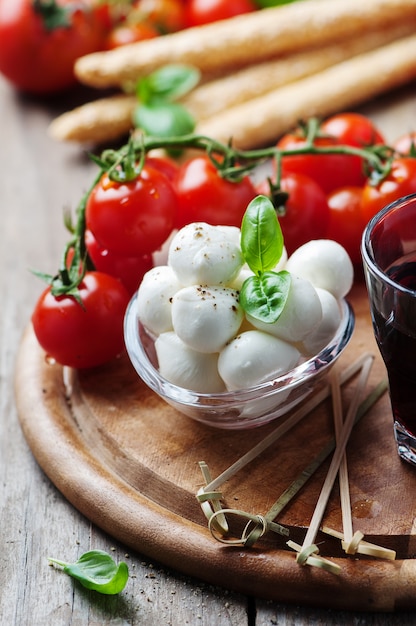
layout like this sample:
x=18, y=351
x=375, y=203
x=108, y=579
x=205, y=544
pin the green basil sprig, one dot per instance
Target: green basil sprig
x=96, y=570
x=157, y=113
x=264, y=294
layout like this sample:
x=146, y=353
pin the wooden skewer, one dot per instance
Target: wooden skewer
x=280, y=430
x=343, y=468
x=336, y=460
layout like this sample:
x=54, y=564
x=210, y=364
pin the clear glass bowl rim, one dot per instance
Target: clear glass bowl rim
x=302, y=373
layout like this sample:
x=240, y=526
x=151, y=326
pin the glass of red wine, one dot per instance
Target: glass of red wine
x=389, y=258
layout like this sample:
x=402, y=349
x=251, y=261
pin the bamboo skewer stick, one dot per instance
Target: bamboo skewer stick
x=343, y=468
x=336, y=460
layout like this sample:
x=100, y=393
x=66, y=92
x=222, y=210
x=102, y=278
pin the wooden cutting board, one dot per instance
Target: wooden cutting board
x=129, y=463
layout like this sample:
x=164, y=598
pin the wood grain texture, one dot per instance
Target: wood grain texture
x=36, y=519
x=129, y=462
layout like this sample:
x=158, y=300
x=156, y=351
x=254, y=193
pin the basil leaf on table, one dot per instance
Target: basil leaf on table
x=97, y=570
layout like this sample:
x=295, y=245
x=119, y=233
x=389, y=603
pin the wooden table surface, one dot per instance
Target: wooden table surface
x=39, y=178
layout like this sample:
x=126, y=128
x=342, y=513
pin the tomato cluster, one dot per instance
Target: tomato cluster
x=127, y=220
x=138, y=200
x=332, y=195
x=42, y=39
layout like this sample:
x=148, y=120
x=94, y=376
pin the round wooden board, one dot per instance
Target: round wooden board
x=129, y=463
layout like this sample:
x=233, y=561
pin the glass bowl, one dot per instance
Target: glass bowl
x=241, y=409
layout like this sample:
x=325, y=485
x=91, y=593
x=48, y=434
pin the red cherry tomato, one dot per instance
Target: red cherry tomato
x=164, y=164
x=40, y=59
x=401, y=181
x=167, y=16
x=200, y=12
x=346, y=222
x=353, y=129
x=406, y=144
x=203, y=196
x=306, y=210
x=130, y=33
x=87, y=335
x=132, y=218
x=330, y=171
x=129, y=270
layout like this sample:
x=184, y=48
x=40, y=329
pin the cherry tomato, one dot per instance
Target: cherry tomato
x=167, y=16
x=132, y=218
x=164, y=164
x=330, y=171
x=306, y=210
x=38, y=59
x=200, y=12
x=128, y=269
x=346, y=222
x=406, y=144
x=130, y=33
x=83, y=336
x=353, y=129
x=401, y=181
x=203, y=196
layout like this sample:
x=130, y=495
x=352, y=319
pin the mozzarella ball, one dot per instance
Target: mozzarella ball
x=254, y=357
x=154, y=299
x=331, y=319
x=281, y=265
x=201, y=254
x=185, y=367
x=301, y=314
x=232, y=233
x=326, y=264
x=205, y=318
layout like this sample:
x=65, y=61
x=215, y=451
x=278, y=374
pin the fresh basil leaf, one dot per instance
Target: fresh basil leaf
x=96, y=570
x=164, y=119
x=264, y=297
x=261, y=235
x=168, y=83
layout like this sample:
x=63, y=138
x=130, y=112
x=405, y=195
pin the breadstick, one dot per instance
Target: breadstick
x=96, y=122
x=245, y=38
x=254, y=80
x=106, y=119
x=262, y=120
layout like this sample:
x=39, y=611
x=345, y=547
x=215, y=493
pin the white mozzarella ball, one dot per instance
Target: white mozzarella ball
x=238, y=281
x=281, y=265
x=331, y=319
x=326, y=264
x=201, y=254
x=185, y=367
x=205, y=318
x=232, y=233
x=154, y=299
x=301, y=314
x=254, y=357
